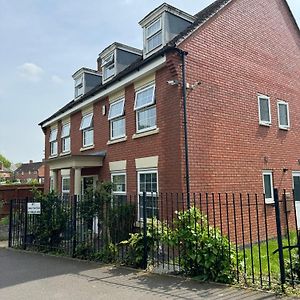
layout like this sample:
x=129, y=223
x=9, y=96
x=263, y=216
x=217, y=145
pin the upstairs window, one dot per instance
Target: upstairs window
x=117, y=119
x=66, y=140
x=268, y=186
x=79, y=86
x=108, y=66
x=145, y=109
x=283, y=115
x=264, y=110
x=53, y=142
x=87, y=129
x=153, y=35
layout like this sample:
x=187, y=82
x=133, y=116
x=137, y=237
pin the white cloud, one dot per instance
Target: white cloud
x=31, y=72
x=56, y=79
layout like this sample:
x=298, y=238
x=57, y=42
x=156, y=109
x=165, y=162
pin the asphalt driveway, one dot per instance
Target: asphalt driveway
x=25, y=275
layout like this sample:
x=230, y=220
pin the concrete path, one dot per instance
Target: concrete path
x=33, y=276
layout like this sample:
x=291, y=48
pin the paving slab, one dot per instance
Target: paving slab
x=26, y=275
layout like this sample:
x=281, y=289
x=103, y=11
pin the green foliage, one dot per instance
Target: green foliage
x=51, y=223
x=84, y=251
x=4, y=221
x=292, y=269
x=204, y=252
x=107, y=255
x=5, y=161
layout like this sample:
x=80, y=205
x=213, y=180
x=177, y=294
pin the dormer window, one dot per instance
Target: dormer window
x=108, y=66
x=79, y=86
x=154, y=35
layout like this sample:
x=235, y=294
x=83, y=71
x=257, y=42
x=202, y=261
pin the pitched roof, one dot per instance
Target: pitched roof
x=29, y=167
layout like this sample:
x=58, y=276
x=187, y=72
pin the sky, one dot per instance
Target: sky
x=42, y=43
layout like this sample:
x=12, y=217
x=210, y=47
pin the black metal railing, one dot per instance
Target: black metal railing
x=223, y=237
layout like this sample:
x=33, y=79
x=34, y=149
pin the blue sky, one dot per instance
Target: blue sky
x=44, y=42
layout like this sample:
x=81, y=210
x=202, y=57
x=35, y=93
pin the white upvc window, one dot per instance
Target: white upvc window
x=65, y=138
x=268, y=186
x=264, y=110
x=118, y=180
x=117, y=119
x=283, y=115
x=153, y=35
x=65, y=187
x=87, y=129
x=51, y=185
x=108, y=66
x=79, y=86
x=53, y=142
x=148, y=182
x=145, y=109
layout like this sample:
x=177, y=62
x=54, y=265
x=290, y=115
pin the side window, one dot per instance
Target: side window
x=66, y=140
x=264, y=110
x=87, y=129
x=116, y=119
x=65, y=187
x=268, y=186
x=145, y=109
x=53, y=142
x=283, y=115
x=119, y=187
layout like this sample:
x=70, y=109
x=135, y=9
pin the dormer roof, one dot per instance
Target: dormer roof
x=85, y=70
x=120, y=46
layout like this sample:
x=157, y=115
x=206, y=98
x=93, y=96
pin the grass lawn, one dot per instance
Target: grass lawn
x=261, y=265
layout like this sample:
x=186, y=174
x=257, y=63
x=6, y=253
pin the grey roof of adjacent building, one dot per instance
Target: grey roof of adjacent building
x=29, y=167
x=200, y=18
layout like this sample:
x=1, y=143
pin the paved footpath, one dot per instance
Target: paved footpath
x=25, y=275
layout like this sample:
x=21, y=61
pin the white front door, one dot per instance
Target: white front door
x=296, y=187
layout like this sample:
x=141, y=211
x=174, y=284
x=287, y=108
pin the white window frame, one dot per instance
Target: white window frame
x=51, y=184
x=147, y=37
x=262, y=122
x=87, y=129
x=53, y=142
x=270, y=173
x=65, y=137
x=108, y=61
x=79, y=85
x=62, y=185
x=281, y=102
x=115, y=103
x=149, y=194
x=118, y=117
x=144, y=107
x=119, y=174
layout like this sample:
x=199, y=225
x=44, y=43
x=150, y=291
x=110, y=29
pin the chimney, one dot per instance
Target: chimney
x=31, y=161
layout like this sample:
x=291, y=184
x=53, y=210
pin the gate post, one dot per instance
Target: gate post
x=10, y=224
x=145, y=255
x=25, y=224
x=279, y=238
x=74, y=215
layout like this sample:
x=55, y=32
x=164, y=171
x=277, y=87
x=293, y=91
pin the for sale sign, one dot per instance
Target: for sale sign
x=34, y=208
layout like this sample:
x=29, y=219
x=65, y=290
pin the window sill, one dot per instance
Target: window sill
x=87, y=148
x=270, y=202
x=53, y=156
x=145, y=133
x=284, y=128
x=119, y=140
x=65, y=153
x=265, y=124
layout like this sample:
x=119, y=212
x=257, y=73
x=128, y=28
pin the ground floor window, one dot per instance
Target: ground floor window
x=148, y=182
x=268, y=186
x=119, y=187
x=65, y=187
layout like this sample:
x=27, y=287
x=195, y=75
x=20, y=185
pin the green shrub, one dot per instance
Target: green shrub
x=84, y=251
x=4, y=221
x=292, y=271
x=204, y=252
x=107, y=255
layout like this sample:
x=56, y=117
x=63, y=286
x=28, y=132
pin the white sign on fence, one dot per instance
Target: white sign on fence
x=34, y=208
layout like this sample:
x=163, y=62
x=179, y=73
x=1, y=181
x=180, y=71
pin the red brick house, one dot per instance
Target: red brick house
x=126, y=121
x=27, y=172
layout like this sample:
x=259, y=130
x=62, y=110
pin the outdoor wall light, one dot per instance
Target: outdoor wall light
x=173, y=82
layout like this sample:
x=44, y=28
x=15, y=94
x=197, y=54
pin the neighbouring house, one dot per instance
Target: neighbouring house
x=30, y=171
x=5, y=173
x=126, y=122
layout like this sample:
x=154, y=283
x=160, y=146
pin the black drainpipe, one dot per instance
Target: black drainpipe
x=183, y=54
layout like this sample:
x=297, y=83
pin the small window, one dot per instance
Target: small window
x=153, y=35
x=108, y=66
x=87, y=130
x=65, y=136
x=53, y=142
x=283, y=115
x=119, y=187
x=268, y=186
x=79, y=86
x=148, y=182
x=264, y=110
x=65, y=187
x=117, y=119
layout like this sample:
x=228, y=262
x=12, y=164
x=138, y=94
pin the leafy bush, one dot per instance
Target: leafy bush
x=204, y=252
x=293, y=271
x=107, y=255
x=4, y=221
x=84, y=251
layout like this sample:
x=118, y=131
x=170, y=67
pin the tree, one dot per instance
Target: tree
x=5, y=161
